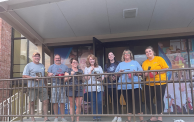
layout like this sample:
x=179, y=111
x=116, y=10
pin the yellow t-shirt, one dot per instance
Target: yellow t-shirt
x=156, y=64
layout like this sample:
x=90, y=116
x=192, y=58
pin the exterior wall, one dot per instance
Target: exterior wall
x=5, y=59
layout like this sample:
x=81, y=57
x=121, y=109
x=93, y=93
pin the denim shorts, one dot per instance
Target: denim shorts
x=58, y=94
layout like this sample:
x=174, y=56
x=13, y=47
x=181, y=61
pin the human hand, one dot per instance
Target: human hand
x=113, y=78
x=92, y=68
x=72, y=72
x=50, y=74
x=121, y=70
x=37, y=79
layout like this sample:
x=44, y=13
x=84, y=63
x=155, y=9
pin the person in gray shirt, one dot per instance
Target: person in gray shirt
x=31, y=70
x=58, y=94
x=95, y=91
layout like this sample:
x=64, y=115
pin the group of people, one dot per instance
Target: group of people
x=94, y=88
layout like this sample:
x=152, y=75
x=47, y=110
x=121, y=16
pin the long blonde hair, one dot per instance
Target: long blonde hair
x=123, y=55
x=88, y=61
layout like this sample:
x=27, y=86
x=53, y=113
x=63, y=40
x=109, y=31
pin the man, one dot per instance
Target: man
x=32, y=70
x=58, y=93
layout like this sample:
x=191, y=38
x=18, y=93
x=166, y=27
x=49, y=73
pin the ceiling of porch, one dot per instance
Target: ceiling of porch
x=63, y=22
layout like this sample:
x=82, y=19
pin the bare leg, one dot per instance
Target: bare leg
x=31, y=107
x=140, y=118
x=78, y=105
x=62, y=108
x=129, y=118
x=45, y=109
x=55, y=108
x=71, y=106
x=160, y=118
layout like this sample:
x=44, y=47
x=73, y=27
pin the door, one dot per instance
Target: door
x=98, y=51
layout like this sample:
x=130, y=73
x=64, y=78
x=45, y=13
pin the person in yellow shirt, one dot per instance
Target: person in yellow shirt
x=154, y=63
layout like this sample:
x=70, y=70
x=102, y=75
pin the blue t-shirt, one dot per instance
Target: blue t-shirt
x=132, y=65
x=31, y=69
x=111, y=69
x=58, y=69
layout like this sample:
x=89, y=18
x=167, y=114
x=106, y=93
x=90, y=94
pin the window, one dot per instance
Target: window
x=22, y=53
x=19, y=57
x=23, y=50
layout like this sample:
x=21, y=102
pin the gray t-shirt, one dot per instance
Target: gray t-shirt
x=31, y=69
x=98, y=70
x=58, y=69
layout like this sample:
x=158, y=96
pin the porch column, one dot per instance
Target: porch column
x=41, y=51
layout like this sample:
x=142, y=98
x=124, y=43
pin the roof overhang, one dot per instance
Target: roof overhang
x=67, y=22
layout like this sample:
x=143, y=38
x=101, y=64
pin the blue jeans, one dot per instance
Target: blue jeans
x=92, y=98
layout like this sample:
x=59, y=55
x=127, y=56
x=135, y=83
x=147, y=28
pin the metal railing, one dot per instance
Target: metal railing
x=176, y=100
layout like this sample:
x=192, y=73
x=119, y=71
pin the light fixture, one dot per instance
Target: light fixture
x=130, y=13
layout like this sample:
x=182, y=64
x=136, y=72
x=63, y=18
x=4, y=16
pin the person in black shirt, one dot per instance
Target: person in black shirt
x=110, y=68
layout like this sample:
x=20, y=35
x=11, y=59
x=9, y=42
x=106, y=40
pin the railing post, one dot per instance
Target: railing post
x=133, y=98
x=22, y=101
x=73, y=98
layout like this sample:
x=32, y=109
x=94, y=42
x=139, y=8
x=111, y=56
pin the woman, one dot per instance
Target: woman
x=110, y=67
x=78, y=89
x=154, y=63
x=128, y=64
x=93, y=68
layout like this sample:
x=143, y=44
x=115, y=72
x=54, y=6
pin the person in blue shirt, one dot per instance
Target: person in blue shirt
x=58, y=94
x=110, y=67
x=127, y=65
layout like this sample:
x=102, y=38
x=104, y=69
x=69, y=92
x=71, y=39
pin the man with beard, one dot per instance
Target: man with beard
x=32, y=70
x=58, y=94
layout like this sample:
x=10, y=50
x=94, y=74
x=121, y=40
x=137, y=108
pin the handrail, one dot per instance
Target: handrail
x=181, y=69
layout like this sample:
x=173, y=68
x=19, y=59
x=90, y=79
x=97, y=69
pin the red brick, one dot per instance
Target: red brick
x=5, y=58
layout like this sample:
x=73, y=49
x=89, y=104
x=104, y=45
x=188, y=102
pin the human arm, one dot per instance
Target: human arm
x=118, y=70
x=88, y=71
x=67, y=78
x=26, y=72
x=139, y=68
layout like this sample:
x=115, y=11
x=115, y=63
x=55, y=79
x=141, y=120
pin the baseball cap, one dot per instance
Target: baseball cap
x=36, y=53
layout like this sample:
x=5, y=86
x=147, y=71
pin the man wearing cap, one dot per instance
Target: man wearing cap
x=58, y=94
x=32, y=70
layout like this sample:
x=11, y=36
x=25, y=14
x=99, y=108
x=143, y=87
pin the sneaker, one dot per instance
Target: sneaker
x=119, y=119
x=115, y=119
x=99, y=119
x=95, y=119
x=56, y=120
x=63, y=120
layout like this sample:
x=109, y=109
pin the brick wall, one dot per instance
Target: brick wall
x=5, y=58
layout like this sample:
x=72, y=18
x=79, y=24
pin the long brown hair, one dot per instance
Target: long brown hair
x=88, y=61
